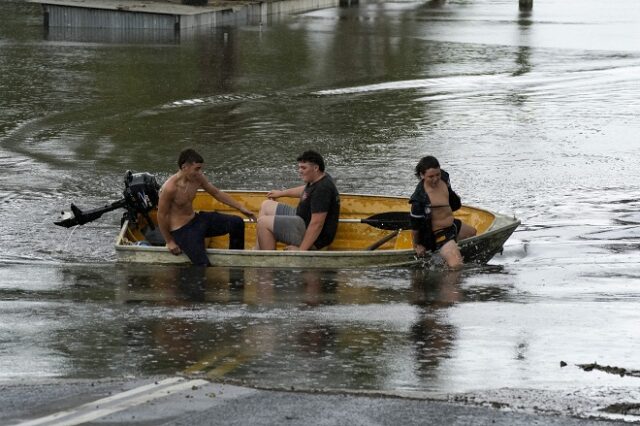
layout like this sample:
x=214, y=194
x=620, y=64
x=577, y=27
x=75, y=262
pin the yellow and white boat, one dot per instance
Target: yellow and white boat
x=363, y=238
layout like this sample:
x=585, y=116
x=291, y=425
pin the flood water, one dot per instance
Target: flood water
x=533, y=114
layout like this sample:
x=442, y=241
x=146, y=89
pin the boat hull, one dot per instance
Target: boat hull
x=349, y=249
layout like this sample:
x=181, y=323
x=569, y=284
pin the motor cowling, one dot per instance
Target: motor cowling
x=141, y=195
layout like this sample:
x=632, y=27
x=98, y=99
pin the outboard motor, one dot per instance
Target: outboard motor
x=141, y=194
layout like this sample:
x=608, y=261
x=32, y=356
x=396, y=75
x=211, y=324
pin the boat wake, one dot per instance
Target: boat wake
x=213, y=100
x=551, y=84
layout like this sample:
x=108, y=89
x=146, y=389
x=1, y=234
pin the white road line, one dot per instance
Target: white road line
x=100, y=408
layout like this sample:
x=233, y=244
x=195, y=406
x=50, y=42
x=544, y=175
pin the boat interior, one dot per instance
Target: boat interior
x=351, y=235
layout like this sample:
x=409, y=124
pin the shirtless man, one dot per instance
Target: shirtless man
x=432, y=221
x=314, y=223
x=185, y=230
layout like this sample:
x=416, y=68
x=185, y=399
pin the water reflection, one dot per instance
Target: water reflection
x=435, y=289
x=525, y=5
x=319, y=328
x=432, y=335
x=523, y=57
x=175, y=286
x=110, y=35
x=435, y=4
x=233, y=318
x=383, y=329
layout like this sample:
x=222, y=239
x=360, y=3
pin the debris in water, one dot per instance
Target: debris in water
x=623, y=408
x=609, y=369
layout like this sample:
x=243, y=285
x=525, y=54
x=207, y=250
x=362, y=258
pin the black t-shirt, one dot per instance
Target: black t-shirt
x=321, y=197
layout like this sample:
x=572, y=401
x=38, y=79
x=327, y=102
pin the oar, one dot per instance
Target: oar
x=383, y=240
x=388, y=220
x=391, y=221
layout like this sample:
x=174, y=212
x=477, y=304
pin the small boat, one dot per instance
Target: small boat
x=373, y=232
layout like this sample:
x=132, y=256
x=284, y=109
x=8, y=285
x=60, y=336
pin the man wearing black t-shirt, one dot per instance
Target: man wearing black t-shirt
x=310, y=226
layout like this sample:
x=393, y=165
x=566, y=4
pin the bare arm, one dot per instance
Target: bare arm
x=419, y=248
x=313, y=230
x=164, y=215
x=291, y=192
x=227, y=199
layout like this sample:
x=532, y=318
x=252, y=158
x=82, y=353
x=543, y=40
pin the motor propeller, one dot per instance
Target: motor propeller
x=140, y=196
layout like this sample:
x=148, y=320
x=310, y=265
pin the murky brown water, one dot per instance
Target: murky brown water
x=532, y=114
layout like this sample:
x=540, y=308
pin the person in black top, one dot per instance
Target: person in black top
x=432, y=205
x=310, y=226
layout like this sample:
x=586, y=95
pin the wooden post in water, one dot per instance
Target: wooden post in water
x=526, y=4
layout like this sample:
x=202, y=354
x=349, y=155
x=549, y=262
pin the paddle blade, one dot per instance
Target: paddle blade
x=389, y=220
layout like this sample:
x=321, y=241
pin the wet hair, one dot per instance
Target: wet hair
x=189, y=156
x=312, y=157
x=426, y=163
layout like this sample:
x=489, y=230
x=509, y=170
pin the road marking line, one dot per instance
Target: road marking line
x=112, y=398
x=120, y=402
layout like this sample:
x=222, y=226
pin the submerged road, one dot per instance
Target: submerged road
x=184, y=401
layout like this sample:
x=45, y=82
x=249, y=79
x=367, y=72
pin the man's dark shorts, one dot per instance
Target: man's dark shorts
x=443, y=236
x=190, y=237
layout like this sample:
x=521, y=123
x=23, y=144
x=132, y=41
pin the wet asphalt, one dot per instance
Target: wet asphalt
x=183, y=401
